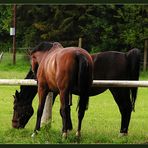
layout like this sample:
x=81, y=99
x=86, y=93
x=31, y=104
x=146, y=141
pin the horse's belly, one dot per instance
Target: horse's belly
x=96, y=91
x=93, y=91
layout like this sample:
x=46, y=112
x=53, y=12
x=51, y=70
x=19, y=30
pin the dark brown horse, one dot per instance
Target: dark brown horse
x=62, y=70
x=23, y=109
x=110, y=65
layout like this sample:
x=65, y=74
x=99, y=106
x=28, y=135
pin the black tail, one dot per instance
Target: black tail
x=84, y=81
x=134, y=71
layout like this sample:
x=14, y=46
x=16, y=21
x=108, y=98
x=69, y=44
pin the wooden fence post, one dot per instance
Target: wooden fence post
x=47, y=112
x=145, y=54
x=80, y=42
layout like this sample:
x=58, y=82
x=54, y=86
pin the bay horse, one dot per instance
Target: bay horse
x=109, y=65
x=62, y=70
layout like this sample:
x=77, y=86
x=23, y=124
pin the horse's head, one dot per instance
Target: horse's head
x=23, y=109
x=22, y=112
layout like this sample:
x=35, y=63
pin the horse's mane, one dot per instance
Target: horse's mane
x=45, y=46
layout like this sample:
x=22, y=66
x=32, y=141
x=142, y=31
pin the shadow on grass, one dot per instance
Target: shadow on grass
x=46, y=135
x=49, y=135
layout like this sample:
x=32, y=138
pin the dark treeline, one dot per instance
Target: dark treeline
x=102, y=27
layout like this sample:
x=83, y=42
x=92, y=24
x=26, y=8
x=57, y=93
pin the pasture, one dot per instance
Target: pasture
x=101, y=123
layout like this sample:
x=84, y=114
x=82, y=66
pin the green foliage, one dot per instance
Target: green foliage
x=6, y=65
x=102, y=27
x=5, y=24
x=6, y=17
x=5, y=46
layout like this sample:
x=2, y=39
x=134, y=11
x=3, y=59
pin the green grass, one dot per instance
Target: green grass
x=19, y=70
x=100, y=125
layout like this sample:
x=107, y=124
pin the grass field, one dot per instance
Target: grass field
x=101, y=123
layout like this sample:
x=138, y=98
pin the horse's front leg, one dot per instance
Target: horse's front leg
x=42, y=93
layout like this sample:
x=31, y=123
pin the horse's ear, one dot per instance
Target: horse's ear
x=15, y=97
x=16, y=94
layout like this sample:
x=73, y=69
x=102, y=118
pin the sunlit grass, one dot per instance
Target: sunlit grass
x=101, y=123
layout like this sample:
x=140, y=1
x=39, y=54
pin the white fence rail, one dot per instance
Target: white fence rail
x=14, y=82
x=100, y=83
x=124, y=83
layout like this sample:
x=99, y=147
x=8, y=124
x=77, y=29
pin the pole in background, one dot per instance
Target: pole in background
x=145, y=54
x=13, y=33
x=14, y=37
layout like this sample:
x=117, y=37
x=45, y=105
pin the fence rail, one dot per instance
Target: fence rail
x=116, y=83
x=101, y=83
x=29, y=82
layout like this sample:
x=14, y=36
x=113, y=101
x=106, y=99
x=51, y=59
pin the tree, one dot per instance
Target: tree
x=102, y=27
x=5, y=22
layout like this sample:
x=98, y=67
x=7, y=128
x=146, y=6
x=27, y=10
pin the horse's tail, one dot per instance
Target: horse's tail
x=133, y=57
x=84, y=81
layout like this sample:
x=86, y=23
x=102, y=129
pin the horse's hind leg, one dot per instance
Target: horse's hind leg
x=65, y=112
x=122, y=98
x=69, y=124
x=81, y=112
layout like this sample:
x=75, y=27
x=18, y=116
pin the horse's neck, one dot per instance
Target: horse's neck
x=41, y=57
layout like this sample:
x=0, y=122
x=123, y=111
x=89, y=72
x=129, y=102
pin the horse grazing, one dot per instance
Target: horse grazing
x=62, y=70
x=23, y=109
x=109, y=65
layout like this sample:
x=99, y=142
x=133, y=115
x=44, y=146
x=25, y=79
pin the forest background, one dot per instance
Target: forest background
x=101, y=27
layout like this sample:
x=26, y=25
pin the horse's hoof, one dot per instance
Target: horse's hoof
x=64, y=135
x=78, y=134
x=123, y=135
x=34, y=134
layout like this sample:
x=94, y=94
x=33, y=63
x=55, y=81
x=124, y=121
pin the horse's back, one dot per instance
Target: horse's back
x=61, y=65
x=110, y=65
x=69, y=61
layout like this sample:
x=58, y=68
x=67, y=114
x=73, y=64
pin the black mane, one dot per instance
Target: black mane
x=43, y=46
